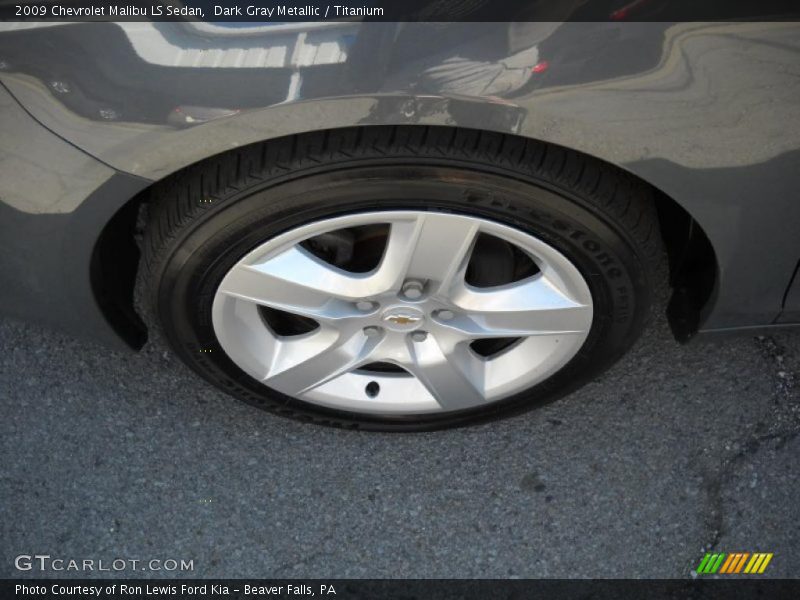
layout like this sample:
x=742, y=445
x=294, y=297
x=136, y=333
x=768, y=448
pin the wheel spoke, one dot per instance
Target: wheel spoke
x=454, y=379
x=530, y=307
x=299, y=366
x=296, y=281
x=434, y=247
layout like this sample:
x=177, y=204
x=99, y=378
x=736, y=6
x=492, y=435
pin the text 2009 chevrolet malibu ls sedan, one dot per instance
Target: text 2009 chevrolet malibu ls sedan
x=399, y=226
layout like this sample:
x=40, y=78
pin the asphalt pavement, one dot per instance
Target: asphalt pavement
x=677, y=450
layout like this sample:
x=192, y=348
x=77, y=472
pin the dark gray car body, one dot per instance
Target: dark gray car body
x=92, y=114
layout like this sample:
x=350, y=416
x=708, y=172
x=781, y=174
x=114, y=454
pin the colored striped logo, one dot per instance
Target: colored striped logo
x=733, y=563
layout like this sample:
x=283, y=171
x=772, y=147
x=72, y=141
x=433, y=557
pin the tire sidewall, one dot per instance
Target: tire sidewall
x=191, y=271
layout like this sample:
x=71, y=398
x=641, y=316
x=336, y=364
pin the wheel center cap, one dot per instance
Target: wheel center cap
x=402, y=318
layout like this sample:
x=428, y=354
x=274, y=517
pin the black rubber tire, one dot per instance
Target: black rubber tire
x=205, y=218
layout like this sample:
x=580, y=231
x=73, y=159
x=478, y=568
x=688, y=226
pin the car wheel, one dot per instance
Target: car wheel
x=400, y=278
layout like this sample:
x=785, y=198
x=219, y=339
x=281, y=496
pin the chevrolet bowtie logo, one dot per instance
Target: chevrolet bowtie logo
x=402, y=319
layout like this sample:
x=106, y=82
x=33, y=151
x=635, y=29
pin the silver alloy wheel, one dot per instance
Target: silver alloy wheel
x=415, y=310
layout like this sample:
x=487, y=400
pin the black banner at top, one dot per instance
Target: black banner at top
x=276, y=12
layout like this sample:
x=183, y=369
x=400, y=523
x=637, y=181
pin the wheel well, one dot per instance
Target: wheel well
x=691, y=258
x=113, y=271
x=692, y=267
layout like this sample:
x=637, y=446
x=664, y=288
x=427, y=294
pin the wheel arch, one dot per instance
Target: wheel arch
x=693, y=269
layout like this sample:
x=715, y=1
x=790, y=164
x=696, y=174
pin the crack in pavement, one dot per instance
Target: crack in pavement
x=782, y=424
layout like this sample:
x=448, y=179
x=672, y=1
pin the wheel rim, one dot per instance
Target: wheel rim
x=409, y=334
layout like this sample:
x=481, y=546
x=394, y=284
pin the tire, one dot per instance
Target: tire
x=203, y=220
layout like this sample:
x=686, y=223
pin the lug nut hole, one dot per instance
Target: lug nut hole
x=372, y=389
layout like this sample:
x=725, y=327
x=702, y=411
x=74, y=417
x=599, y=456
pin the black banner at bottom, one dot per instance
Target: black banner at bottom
x=422, y=589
